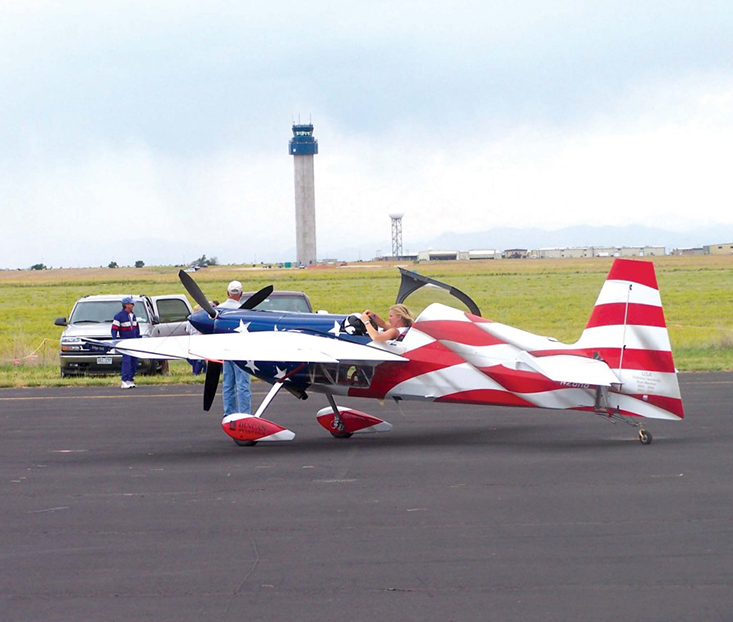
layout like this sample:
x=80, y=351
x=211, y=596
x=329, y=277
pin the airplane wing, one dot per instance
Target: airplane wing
x=275, y=346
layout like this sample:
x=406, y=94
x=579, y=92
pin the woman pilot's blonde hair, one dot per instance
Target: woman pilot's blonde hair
x=403, y=312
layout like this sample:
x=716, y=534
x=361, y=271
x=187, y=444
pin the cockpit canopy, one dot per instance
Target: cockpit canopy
x=418, y=291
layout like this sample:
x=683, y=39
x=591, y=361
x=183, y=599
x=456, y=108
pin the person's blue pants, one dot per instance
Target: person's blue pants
x=197, y=366
x=129, y=367
x=236, y=391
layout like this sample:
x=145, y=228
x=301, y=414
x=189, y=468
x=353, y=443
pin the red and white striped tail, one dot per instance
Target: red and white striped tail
x=627, y=329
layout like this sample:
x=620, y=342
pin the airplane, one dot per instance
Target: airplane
x=620, y=368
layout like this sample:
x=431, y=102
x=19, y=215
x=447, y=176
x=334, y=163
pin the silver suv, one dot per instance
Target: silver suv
x=92, y=316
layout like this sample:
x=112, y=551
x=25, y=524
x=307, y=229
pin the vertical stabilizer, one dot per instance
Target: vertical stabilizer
x=628, y=331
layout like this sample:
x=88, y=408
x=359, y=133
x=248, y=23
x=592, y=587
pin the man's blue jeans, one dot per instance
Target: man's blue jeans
x=129, y=367
x=236, y=391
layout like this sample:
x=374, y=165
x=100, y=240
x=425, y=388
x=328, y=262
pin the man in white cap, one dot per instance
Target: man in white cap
x=236, y=391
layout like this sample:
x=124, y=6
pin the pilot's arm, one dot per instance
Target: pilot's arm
x=385, y=335
x=375, y=319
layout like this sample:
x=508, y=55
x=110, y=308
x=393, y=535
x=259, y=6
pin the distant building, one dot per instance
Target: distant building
x=718, y=249
x=640, y=251
x=484, y=254
x=561, y=253
x=448, y=255
x=698, y=250
x=437, y=255
x=579, y=252
x=570, y=252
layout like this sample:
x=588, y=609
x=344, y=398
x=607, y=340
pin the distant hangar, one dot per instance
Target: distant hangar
x=542, y=253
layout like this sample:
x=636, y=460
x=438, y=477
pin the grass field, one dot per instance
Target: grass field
x=549, y=297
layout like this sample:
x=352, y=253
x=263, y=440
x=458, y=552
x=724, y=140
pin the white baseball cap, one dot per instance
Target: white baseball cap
x=235, y=287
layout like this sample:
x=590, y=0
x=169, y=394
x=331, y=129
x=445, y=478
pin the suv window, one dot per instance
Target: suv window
x=102, y=311
x=172, y=310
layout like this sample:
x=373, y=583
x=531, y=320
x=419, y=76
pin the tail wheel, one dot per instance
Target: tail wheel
x=645, y=438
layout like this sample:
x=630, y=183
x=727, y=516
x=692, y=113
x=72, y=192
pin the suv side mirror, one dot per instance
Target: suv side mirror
x=60, y=321
x=154, y=319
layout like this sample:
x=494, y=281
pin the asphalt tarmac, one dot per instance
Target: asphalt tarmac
x=134, y=505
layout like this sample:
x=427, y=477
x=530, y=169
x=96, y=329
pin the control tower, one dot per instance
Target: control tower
x=303, y=147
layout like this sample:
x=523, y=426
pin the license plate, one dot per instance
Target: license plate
x=104, y=360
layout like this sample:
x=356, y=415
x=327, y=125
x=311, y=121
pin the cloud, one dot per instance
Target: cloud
x=658, y=158
x=169, y=121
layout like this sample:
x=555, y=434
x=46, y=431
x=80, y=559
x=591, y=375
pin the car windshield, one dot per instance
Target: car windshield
x=295, y=304
x=102, y=311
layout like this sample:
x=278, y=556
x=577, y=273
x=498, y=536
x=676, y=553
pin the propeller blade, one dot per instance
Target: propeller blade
x=196, y=293
x=257, y=298
x=213, y=371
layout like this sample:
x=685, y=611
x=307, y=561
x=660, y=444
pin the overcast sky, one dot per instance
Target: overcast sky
x=166, y=124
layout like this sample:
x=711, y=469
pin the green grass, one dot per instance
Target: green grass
x=549, y=297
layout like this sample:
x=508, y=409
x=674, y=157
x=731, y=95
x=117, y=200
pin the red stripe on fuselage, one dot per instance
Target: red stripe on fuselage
x=670, y=404
x=466, y=333
x=488, y=397
x=478, y=319
x=520, y=381
x=423, y=360
x=648, y=360
x=615, y=313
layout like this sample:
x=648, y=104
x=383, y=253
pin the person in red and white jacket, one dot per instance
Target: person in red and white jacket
x=125, y=326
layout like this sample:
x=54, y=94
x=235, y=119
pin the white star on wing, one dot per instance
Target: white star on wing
x=336, y=328
x=280, y=373
x=242, y=328
x=251, y=366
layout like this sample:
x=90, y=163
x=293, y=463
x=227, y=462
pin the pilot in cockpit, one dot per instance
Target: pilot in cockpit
x=400, y=320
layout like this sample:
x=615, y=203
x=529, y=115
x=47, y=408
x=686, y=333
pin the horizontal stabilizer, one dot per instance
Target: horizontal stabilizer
x=571, y=369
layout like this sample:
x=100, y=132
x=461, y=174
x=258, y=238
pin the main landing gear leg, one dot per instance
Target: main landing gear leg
x=645, y=437
x=337, y=426
x=345, y=422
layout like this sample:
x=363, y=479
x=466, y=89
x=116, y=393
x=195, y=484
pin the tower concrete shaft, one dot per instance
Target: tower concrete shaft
x=305, y=210
x=304, y=147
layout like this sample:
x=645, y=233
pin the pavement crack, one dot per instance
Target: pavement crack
x=244, y=580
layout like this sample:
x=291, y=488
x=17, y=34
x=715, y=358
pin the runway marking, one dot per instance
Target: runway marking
x=708, y=382
x=48, y=510
x=333, y=481
x=126, y=396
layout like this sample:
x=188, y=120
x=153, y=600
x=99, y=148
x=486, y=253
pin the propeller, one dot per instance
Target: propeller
x=196, y=293
x=213, y=371
x=256, y=298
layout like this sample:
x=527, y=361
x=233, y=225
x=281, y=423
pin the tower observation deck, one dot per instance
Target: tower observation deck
x=303, y=146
